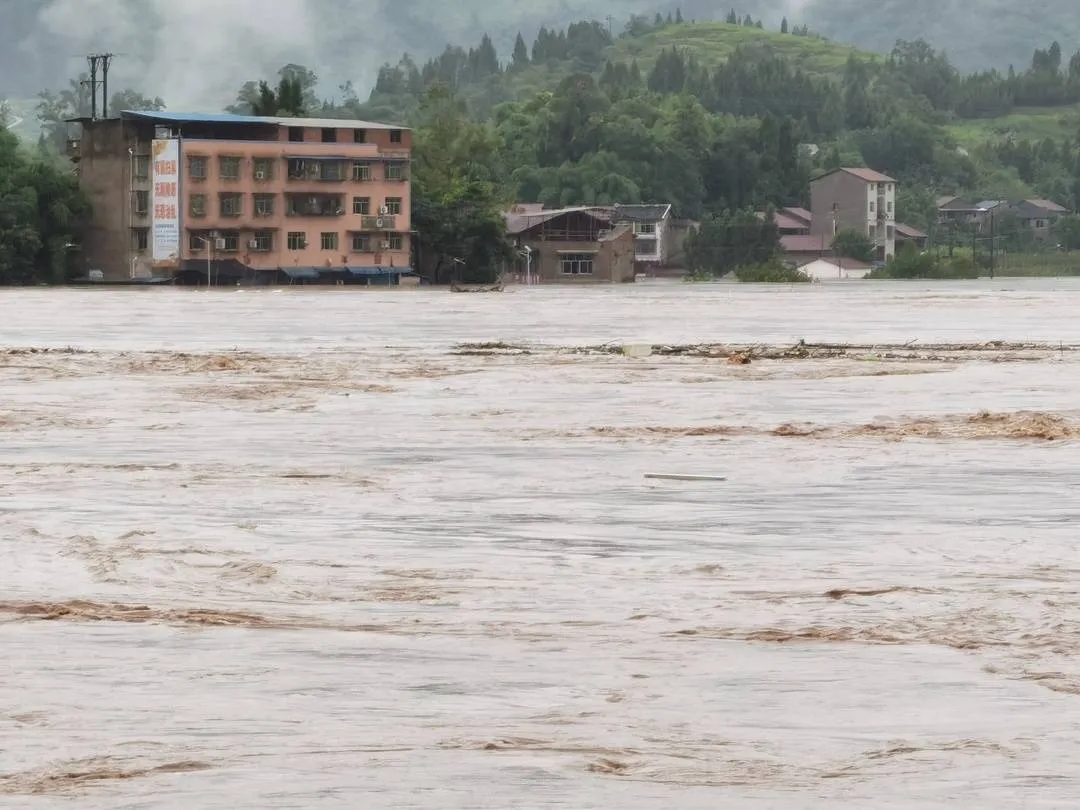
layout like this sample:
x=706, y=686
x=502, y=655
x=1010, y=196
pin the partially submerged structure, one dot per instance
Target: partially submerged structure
x=578, y=245
x=224, y=198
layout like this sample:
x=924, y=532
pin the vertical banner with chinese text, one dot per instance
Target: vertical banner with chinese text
x=165, y=201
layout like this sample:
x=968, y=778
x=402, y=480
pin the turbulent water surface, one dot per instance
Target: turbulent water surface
x=307, y=549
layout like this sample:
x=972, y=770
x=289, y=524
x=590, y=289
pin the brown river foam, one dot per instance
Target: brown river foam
x=983, y=426
x=81, y=775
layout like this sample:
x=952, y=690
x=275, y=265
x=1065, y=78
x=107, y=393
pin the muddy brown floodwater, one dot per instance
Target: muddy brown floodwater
x=306, y=549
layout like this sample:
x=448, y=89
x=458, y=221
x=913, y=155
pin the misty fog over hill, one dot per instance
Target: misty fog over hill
x=194, y=53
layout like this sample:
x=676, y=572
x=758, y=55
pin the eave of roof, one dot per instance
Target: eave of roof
x=251, y=120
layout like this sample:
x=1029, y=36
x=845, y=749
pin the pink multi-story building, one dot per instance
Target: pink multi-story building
x=229, y=198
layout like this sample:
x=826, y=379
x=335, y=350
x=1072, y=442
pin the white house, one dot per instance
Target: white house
x=831, y=268
x=651, y=232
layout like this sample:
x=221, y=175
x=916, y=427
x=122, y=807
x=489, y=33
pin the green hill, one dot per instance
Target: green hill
x=711, y=43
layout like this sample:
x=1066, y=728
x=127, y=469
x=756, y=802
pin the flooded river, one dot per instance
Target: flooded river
x=307, y=549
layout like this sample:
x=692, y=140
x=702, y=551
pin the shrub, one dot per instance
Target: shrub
x=910, y=263
x=770, y=273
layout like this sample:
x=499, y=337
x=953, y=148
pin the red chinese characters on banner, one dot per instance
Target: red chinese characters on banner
x=165, y=204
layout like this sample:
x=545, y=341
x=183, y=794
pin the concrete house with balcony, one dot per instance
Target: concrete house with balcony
x=859, y=199
x=652, y=233
x=203, y=199
x=578, y=245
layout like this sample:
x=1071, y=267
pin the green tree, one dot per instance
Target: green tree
x=732, y=240
x=915, y=206
x=784, y=26
x=246, y=98
x=520, y=58
x=1067, y=232
x=54, y=109
x=456, y=209
x=853, y=244
x=302, y=82
x=294, y=96
x=42, y=215
x=132, y=100
x=909, y=262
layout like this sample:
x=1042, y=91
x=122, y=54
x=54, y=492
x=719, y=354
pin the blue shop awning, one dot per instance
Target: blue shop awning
x=301, y=272
x=378, y=271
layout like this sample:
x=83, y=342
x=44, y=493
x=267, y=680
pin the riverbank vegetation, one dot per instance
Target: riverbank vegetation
x=42, y=214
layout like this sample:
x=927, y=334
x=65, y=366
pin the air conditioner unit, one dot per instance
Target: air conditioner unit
x=384, y=210
x=379, y=223
x=260, y=175
x=254, y=244
x=220, y=244
x=385, y=245
x=339, y=211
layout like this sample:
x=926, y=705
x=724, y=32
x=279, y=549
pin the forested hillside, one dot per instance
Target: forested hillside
x=711, y=115
x=175, y=48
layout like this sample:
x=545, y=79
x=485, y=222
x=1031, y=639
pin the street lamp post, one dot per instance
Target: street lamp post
x=206, y=244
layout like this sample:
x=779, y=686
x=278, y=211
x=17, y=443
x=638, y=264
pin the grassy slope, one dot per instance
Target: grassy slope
x=1033, y=123
x=711, y=43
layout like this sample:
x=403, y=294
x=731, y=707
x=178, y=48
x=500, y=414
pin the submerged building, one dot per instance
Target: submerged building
x=231, y=198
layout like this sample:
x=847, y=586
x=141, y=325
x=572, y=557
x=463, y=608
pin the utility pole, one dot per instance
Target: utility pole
x=106, y=60
x=102, y=60
x=993, y=244
x=93, y=60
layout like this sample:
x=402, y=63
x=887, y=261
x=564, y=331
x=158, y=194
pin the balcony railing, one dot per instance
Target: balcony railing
x=308, y=206
x=379, y=223
x=325, y=170
x=567, y=235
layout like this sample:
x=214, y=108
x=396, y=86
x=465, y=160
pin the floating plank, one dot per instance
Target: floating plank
x=673, y=477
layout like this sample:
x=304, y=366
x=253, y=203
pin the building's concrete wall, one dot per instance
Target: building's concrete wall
x=105, y=174
x=613, y=259
x=830, y=269
x=109, y=174
x=278, y=184
x=839, y=197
